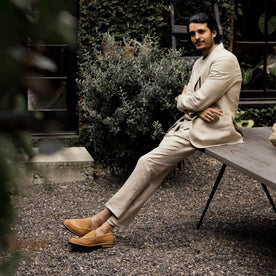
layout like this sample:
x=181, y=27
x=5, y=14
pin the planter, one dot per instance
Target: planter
x=108, y=46
x=129, y=50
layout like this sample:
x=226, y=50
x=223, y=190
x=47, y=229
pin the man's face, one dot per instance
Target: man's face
x=202, y=37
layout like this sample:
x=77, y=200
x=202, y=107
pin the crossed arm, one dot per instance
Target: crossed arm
x=223, y=73
x=209, y=114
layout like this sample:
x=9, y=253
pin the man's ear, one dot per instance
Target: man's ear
x=214, y=33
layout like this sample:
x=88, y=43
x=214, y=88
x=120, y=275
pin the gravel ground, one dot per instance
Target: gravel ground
x=237, y=237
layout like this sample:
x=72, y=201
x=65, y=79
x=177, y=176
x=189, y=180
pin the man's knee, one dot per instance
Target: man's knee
x=144, y=159
x=149, y=160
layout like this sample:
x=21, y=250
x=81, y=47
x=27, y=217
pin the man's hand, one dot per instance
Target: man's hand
x=210, y=114
x=183, y=92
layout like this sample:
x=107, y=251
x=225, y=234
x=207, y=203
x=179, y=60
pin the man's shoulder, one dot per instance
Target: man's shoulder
x=221, y=52
x=219, y=55
x=225, y=61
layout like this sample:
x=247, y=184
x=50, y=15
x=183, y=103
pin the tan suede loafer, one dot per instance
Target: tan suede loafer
x=79, y=227
x=91, y=240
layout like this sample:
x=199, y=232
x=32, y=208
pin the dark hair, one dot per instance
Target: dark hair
x=206, y=18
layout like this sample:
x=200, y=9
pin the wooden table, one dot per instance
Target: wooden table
x=256, y=157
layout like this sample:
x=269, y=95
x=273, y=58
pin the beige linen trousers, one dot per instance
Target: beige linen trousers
x=149, y=173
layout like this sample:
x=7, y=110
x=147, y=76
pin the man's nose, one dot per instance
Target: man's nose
x=197, y=36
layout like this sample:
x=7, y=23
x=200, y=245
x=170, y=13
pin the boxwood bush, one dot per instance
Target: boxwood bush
x=127, y=103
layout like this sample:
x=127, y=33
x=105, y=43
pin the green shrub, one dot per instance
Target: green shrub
x=262, y=116
x=128, y=103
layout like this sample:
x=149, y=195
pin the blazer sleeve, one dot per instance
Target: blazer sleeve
x=224, y=72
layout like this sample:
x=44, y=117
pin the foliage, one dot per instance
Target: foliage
x=21, y=21
x=243, y=123
x=271, y=24
x=227, y=18
x=127, y=102
x=108, y=37
x=133, y=18
x=140, y=17
x=247, y=75
x=273, y=71
x=261, y=116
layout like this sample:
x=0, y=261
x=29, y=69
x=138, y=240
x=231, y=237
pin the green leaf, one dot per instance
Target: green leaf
x=240, y=11
x=273, y=71
x=247, y=75
x=244, y=123
x=271, y=24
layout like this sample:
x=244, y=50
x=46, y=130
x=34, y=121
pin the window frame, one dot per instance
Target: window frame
x=256, y=96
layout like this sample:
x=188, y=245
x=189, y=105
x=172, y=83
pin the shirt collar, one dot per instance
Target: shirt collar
x=213, y=52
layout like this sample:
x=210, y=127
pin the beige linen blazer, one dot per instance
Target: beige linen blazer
x=215, y=82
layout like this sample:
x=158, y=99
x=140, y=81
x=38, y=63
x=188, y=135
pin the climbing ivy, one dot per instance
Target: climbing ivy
x=137, y=18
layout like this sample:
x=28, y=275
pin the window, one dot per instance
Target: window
x=255, y=48
x=49, y=92
x=51, y=83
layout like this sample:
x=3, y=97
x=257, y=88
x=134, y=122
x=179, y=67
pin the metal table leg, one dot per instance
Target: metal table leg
x=221, y=172
x=269, y=197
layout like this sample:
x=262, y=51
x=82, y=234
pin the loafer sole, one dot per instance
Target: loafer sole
x=93, y=245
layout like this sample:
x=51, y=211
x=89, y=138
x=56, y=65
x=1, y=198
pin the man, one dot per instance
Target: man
x=209, y=103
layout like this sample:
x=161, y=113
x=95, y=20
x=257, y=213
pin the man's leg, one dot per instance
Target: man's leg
x=148, y=174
